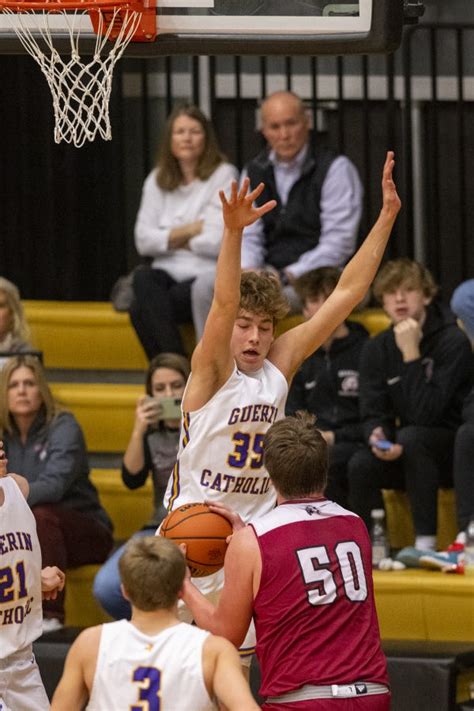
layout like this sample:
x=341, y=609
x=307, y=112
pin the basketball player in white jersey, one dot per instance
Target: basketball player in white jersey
x=304, y=571
x=240, y=371
x=154, y=661
x=22, y=586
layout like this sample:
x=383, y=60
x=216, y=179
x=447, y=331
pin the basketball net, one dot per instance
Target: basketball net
x=80, y=87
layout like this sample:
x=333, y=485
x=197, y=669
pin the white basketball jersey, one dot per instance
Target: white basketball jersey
x=137, y=671
x=21, y=615
x=220, y=455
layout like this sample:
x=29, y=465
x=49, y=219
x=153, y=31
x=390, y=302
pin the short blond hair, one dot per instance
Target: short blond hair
x=152, y=571
x=261, y=294
x=404, y=271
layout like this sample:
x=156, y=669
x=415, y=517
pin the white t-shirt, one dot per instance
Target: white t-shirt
x=161, y=210
x=164, y=671
x=21, y=615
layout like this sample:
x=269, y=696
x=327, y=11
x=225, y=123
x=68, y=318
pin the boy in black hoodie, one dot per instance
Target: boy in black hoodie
x=413, y=379
x=327, y=384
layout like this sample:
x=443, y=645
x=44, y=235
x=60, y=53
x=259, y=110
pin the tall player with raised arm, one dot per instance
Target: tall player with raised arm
x=240, y=372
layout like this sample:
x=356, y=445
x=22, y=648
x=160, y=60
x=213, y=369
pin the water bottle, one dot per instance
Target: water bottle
x=469, y=549
x=380, y=547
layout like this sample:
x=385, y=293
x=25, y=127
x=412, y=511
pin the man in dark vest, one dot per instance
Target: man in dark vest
x=319, y=196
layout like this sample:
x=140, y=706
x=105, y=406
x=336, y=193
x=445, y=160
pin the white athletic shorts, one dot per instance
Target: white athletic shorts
x=21, y=688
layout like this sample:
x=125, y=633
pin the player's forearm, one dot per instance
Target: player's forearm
x=360, y=271
x=228, y=271
x=203, y=611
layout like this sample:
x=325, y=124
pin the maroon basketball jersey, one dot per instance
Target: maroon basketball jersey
x=314, y=611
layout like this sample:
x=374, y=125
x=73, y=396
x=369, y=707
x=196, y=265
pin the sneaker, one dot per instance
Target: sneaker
x=51, y=624
x=446, y=561
x=410, y=557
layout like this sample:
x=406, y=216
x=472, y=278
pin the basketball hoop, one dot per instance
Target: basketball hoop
x=81, y=87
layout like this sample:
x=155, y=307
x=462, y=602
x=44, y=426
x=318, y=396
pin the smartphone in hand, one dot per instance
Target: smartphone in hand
x=170, y=408
x=383, y=444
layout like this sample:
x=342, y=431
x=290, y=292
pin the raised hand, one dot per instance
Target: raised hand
x=391, y=201
x=239, y=211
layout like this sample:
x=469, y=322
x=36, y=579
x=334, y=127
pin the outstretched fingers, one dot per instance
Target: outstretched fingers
x=389, y=189
x=233, y=195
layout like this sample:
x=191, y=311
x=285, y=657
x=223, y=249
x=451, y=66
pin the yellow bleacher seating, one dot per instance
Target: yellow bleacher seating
x=104, y=411
x=129, y=509
x=421, y=604
x=81, y=607
x=90, y=335
x=400, y=523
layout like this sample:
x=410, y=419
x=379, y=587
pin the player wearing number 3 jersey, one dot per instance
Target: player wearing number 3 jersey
x=153, y=662
x=303, y=571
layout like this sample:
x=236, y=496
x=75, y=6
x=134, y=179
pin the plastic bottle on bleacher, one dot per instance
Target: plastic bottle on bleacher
x=469, y=549
x=380, y=545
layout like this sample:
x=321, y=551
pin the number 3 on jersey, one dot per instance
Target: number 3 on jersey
x=314, y=565
x=149, y=679
x=246, y=444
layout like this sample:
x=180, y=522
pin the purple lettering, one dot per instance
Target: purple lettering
x=247, y=485
x=256, y=413
x=12, y=542
x=228, y=478
x=234, y=416
x=205, y=473
x=216, y=484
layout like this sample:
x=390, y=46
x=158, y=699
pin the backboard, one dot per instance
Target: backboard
x=259, y=27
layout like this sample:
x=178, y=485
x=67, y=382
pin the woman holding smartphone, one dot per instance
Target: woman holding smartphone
x=151, y=450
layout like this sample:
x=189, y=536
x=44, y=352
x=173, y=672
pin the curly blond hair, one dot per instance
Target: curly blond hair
x=260, y=293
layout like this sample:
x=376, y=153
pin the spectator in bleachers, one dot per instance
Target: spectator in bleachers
x=463, y=468
x=45, y=444
x=179, y=226
x=319, y=202
x=414, y=377
x=14, y=331
x=462, y=303
x=327, y=384
x=152, y=449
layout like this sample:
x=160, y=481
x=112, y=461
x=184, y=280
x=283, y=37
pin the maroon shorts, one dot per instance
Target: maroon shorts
x=375, y=702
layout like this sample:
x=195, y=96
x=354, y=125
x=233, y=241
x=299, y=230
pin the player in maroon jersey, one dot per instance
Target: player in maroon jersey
x=303, y=571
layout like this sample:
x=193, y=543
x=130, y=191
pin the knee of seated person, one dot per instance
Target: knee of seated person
x=203, y=284
x=103, y=584
x=359, y=465
x=413, y=436
x=44, y=515
x=465, y=433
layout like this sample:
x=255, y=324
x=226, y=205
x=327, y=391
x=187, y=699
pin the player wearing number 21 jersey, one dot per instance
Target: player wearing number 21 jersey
x=303, y=572
x=22, y=585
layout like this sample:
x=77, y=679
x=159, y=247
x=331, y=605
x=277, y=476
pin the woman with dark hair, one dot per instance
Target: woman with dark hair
x=45, y=444
x=152, y=449
x=179, y=225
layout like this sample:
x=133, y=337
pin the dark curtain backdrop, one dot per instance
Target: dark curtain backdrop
x=62, y=233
